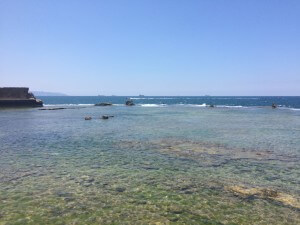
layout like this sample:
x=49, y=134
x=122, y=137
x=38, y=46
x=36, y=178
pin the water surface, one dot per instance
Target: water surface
x=150, y=165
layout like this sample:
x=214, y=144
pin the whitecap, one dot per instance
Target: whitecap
x=231, y=106
x=152, y=105
x=294, y=109
x=151, y=98
x=65, y=105
x=202, y=105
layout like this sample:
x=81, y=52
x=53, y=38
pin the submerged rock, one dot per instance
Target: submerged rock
x=174, y=219
x=266, y=193
x=175, y=210
x=104, y=104
x=69, y=199
x=63, y=194
x=87, y=179
x=148, y=167
x=120, y=189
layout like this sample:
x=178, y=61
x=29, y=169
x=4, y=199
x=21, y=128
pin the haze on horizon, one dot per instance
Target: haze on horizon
x=151, y=47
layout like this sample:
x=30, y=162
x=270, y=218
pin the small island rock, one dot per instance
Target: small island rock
x=129, y=102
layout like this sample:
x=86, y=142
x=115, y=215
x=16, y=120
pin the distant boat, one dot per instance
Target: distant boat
x=141, y=95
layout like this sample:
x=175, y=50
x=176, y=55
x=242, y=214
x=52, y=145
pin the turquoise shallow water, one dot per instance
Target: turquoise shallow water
x=150, y=165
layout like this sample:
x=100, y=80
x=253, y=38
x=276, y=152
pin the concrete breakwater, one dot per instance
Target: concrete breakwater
x=18, y=97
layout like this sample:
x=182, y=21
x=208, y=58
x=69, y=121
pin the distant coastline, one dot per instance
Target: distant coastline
x=45, y=93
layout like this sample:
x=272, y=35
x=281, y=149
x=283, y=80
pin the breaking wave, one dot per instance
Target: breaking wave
x=152, y=105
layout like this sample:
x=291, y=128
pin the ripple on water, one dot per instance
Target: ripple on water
x=121, y=172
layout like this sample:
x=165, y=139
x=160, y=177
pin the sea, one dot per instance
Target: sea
x=165, y=160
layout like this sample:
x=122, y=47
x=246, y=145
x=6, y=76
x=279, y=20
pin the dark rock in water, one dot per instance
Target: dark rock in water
x=53, y=109
x=184, y=188
x=63, y=194
x=88, y=118
x=104, y=104
x=274, y=106
x=69, y=199
x=87, y=179
x=90, y=180
x=105, y=117
x=129, y=103
x=272, y=178
x=175, y=210
x=142, y=202
x=120, y=189
x=87, y=184
x=147, y=167
x=188, y=192
x=174, y=219
x=211, y=106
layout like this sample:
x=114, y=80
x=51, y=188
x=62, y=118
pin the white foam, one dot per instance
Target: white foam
x=152, y=105
x=134, y=98
x=139, y=98
x=118, y=104
x=231, y=106
x=294, y=109
x=288, y=108
x=65, y=105
x=202, y=105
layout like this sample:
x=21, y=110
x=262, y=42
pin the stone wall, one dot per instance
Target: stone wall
x=14, y=93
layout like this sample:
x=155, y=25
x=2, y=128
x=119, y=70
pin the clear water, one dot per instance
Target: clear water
x=149, y=165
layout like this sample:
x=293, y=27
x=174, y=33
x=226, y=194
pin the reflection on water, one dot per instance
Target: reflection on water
x=168, y=165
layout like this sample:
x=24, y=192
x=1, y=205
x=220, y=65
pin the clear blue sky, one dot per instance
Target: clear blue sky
x=151, y=47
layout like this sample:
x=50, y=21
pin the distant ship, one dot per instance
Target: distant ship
x=141, y=95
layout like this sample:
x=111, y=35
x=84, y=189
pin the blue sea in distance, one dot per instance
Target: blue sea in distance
x=166, y=160
x=221, y=101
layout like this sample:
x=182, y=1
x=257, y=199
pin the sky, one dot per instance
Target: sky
x=151, y=47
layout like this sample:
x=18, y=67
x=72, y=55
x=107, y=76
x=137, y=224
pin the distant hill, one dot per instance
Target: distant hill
x=44, y=93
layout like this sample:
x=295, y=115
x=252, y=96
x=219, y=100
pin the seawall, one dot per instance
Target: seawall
x=18, y=97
